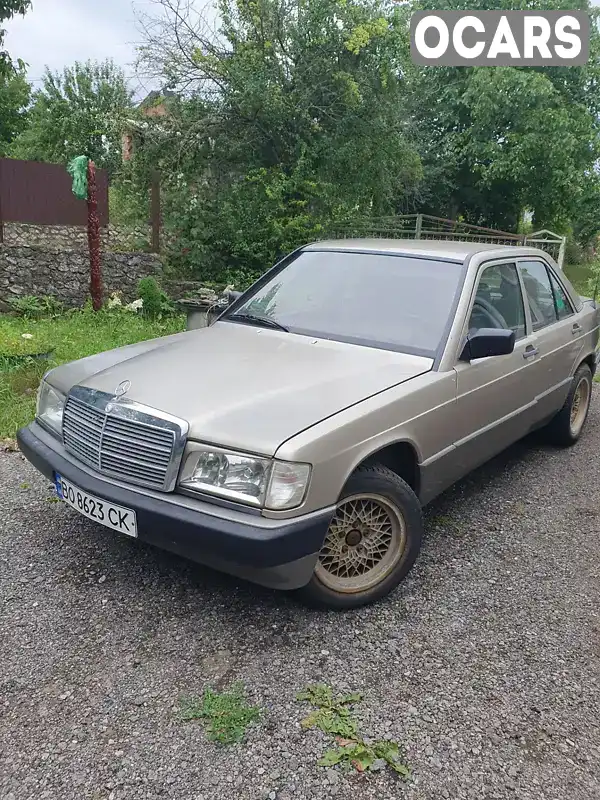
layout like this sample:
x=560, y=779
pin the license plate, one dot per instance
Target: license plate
x=116, y=517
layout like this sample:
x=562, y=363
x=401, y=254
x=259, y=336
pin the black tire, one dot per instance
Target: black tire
x=377, y=481
x=560, y=430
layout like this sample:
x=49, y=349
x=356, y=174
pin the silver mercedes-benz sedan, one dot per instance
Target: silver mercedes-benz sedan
x=294, y=441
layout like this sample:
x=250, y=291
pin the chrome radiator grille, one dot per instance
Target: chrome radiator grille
x=116, y=438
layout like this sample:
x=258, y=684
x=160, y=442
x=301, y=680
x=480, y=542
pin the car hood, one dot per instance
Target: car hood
x=245, y=387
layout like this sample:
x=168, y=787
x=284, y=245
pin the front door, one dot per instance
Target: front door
x=495, y=396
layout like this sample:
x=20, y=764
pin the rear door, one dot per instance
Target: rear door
x=559, y=334
x=496, y=396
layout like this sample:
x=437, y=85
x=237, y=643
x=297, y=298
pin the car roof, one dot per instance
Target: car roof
x=434, y=248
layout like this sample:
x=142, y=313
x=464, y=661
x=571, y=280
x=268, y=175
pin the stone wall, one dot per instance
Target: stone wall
x=178, y=289
x=66, y=274
x=125, y=240
x=74, y=237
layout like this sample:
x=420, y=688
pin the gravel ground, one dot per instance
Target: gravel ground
x=485, y=665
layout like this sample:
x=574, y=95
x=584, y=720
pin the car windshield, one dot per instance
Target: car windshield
x=389, y=301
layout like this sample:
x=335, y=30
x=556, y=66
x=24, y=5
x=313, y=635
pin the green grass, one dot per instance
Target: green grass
x=15, y=346
x=225, y=715
x=579, y=275
x=72, y=336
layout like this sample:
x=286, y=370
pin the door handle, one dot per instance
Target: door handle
x=576, y=328
x=530, y=352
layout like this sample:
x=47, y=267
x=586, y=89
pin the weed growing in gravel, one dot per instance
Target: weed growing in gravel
x=226, y=715
x=333, y=715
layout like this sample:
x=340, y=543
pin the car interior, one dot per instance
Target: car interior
x=499, y=302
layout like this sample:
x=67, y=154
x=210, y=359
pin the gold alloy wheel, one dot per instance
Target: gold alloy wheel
x=365, y=541
x=579, y=406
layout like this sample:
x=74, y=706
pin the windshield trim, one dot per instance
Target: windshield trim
x=435, y=354
x=389, y=253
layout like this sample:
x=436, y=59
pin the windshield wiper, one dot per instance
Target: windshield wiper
x=256, y=319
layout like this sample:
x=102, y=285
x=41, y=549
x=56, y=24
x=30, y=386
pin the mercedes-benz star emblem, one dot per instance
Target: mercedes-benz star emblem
x=122, y=389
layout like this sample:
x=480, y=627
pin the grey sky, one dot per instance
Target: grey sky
x=58, y=32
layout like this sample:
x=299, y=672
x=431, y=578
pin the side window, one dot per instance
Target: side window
x=499, y=300
x=539, y=293
x=562, y=302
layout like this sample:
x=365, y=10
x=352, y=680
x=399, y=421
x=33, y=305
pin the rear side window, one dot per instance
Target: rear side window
x=540, y=295
x=562, y=302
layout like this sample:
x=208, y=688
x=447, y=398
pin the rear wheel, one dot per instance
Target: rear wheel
x=371, y=543
x=566, y=427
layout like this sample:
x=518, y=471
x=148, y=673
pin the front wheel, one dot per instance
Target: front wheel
x=566, y=427
x=371, y=543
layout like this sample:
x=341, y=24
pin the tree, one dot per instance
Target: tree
x=296, y=114
x=586, y=219
x=496, y=141
x=14, y=100
x=8, y=9
x=78, y=112
x=292, y=116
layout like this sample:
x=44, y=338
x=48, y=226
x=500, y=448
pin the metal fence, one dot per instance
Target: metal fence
x=37, y=193
x=425, y=226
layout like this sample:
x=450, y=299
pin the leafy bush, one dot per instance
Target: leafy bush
x=128, y=205
x=156, y=302
x=575, y=253
x=234, y=236
x=115, y=304
x=32, y=307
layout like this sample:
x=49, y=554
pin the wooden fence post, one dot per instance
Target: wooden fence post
x=418, y=226
x=561, y=251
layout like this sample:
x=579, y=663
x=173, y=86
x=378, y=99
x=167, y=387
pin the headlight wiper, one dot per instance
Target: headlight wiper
x=256, y=319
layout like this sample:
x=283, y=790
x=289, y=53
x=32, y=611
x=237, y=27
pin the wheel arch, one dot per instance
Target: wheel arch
x=591, y=360
x=401, y=457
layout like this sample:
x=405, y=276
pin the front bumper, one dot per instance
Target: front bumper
x=278, y=553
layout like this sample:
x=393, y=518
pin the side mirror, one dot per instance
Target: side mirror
x=488, y=342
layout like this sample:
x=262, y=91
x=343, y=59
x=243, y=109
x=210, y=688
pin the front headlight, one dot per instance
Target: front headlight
x=50, y=407
x=260, y=482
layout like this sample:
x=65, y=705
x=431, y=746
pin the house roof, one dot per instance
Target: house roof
x=155, y=95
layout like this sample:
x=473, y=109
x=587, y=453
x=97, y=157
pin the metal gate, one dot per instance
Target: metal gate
x=552, y=243
x=425, y=226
